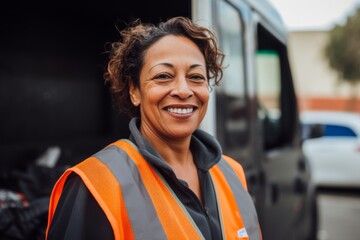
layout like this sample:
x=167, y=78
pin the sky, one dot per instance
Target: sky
x=314, y=14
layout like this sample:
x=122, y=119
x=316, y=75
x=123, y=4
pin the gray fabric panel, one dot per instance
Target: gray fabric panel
x=243, y=200
x=142, y=214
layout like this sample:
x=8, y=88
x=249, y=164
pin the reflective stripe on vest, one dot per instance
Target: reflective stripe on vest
x=143, y=206
x=233, y=174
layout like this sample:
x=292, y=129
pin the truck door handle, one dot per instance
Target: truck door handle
x=274, y=192
x=252, y=177
x=255, y=177
x=301, y=165
x=300, y=184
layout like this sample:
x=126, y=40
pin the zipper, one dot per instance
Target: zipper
x=218, y=208
x=205, y=209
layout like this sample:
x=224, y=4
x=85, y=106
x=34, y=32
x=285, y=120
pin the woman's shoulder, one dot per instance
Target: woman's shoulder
x=77, y=210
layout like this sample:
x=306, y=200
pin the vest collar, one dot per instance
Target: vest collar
x=204, y=147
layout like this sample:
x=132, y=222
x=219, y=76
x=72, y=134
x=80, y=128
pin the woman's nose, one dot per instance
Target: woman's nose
x=181, y=88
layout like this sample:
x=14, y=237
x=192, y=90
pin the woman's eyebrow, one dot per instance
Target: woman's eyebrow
x=163, y=63
x=195, y=65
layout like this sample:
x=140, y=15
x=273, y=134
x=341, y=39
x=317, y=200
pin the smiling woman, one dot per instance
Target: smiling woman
x=173, y=95
x=169, y=180
x=173, y=92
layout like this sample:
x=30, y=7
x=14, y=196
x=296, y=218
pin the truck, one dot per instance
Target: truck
x=52, y=94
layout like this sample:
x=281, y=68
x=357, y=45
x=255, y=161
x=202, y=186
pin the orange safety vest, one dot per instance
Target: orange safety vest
x=145, y=207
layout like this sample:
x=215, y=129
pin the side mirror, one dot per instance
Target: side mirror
x=316, y=131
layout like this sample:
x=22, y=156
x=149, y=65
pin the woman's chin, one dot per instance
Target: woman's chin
x=181, y=132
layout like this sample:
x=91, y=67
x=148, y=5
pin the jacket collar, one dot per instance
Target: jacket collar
x=204, y=147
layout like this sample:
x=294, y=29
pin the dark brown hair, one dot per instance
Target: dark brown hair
x=127, y=56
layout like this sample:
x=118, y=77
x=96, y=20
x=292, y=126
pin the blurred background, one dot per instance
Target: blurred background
x=324, y=52
x=310, y=25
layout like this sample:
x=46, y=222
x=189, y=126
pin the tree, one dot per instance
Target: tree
x=343, y=53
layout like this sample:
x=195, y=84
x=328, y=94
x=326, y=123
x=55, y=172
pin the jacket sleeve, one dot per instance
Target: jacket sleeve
x=78, y=215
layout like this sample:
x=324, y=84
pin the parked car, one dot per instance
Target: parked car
x=332, y=146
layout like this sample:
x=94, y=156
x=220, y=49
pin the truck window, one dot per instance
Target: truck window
x=231, y=102
x=268, y=89
x=276, y=100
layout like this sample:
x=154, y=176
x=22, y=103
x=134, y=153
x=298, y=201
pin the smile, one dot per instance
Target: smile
x=180, y=110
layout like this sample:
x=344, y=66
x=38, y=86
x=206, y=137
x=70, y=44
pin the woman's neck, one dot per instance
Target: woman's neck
x=173, y=151
x=176, y=152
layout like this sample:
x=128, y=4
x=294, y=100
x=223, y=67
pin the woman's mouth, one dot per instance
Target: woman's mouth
x=180, y=110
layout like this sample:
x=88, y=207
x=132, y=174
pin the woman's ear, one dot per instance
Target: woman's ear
x=134, y=95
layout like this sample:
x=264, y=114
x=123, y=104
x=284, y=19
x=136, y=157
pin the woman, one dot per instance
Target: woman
x=169, y=180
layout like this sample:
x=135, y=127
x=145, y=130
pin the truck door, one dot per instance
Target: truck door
x=232, y=102
x=285, y=187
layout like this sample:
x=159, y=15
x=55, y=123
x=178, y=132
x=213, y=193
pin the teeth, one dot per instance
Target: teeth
x=180, y=110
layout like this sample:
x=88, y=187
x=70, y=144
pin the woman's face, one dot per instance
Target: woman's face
x=174, y=90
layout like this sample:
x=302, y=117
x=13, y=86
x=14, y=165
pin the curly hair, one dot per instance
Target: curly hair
x=127, y=56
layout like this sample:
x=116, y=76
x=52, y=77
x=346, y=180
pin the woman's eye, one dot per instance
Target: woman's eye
x=197, y=77
x=162, y=76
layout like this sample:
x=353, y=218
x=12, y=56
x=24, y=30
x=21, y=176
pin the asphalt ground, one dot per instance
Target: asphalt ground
x=338, y=215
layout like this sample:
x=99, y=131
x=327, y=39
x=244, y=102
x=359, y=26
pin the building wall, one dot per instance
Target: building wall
x=316, y=83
